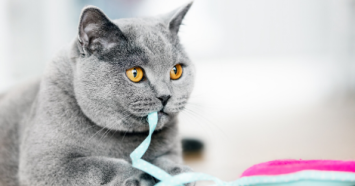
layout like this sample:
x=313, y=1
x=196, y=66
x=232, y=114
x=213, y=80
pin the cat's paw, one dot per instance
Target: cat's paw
x=181, y=169
x=142, y=179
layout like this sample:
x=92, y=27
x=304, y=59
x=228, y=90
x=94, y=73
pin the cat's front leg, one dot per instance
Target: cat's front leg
x=112, y=172
x=88, y=171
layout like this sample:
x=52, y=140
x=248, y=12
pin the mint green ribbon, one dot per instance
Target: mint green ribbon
x=137, y=154
x=316, y=177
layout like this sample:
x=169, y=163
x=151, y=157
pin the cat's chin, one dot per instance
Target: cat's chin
x=163, y=119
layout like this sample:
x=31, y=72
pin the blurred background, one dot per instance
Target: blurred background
x=275, y=79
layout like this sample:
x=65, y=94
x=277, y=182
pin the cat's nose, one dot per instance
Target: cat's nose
x=164, y=99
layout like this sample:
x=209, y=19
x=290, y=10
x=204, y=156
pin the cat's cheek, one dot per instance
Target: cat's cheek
x=186, y=81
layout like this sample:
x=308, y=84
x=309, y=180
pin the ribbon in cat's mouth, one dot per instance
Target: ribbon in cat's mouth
x=159, y=115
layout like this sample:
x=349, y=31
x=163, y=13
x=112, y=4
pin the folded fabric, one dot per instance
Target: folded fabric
x=300, y=172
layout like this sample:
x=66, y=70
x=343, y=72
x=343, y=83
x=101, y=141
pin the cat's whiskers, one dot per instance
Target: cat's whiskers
x=189, y=114
x=116, y=130
x=127, y=131
x=208, y=122
x=103, y=128
x=200, y=106
x=106, y=132
x=124, y=135
x=88, y=141
x=127, y=115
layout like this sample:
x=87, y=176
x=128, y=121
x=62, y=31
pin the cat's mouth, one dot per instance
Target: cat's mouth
x=161, y=114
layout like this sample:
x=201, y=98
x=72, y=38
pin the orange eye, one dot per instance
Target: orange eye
x=135, y=74
x=176, y=72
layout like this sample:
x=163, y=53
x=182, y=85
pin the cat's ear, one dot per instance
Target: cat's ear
x=96, y=31
x=174, y=19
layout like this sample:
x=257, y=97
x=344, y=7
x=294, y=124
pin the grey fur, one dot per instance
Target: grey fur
x=78, y=124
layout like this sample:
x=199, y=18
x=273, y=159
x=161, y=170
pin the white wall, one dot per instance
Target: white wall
x=5, y=79
x=290, y=31
x=249, y=28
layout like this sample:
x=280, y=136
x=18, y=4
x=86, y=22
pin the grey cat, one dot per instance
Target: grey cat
x=78, y=124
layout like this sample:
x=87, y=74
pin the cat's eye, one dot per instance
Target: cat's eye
x=176, y=72
x=135, y=74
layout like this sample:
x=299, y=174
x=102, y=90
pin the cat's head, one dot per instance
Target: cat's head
x=128, y=68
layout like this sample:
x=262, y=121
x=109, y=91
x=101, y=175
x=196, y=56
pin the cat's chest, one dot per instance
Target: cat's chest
x=101, y=142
